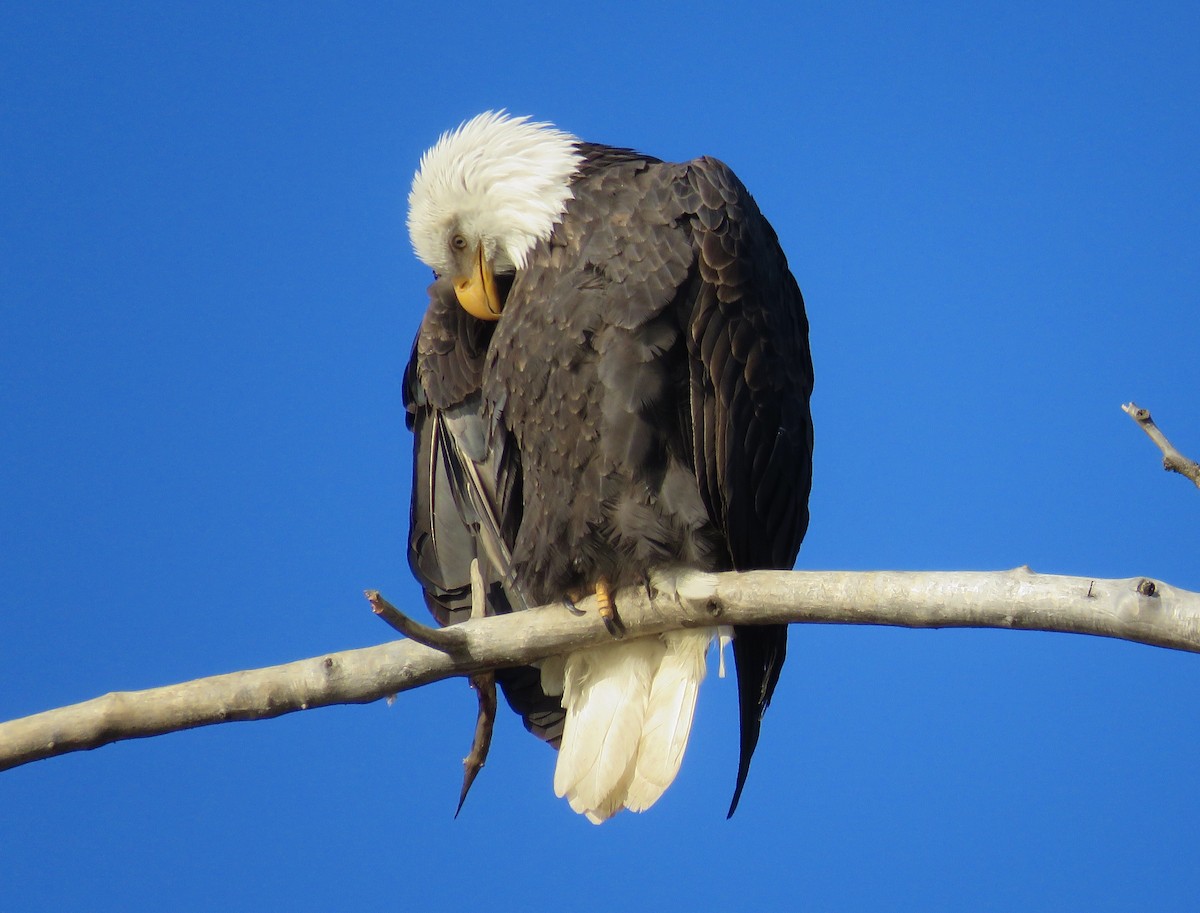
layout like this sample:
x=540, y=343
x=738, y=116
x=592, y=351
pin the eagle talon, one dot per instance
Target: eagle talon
x=569, y=605
x=608, y=610
x=614, y=625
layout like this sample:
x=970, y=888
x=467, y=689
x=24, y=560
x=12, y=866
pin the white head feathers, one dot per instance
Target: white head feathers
x=497, y=179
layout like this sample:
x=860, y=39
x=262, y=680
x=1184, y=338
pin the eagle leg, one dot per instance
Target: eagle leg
x=569, y=601
x=605, y=604
x=608, y=609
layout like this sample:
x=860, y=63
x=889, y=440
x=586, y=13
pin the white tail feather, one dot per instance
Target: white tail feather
x=604, y=693
x=668, y=716
x=629, y=712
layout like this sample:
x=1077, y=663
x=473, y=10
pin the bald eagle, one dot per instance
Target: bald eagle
x=612, y=378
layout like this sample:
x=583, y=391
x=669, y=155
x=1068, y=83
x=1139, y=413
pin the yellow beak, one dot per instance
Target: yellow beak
x=477, y=292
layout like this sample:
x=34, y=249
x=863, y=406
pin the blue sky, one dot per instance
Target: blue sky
x=207, y=298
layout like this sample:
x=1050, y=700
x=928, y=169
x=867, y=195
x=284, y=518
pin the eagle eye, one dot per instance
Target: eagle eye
x=458, y=242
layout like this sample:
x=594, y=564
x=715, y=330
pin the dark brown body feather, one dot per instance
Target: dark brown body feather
x=643, y=401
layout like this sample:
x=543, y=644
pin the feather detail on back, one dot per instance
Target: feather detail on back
x=629, y=713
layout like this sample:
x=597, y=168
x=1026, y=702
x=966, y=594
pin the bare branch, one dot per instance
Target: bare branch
x=1173, y=460
x=1135, y=609
x=449, y=640
x=484, y=684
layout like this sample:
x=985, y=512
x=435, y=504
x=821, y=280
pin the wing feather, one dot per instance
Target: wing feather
x=466, y=490
x=752, y=430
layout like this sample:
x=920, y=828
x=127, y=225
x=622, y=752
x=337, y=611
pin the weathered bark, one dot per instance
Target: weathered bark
x=1173, y=460
x=1135, y=609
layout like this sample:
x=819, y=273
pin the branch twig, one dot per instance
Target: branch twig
x=448, y=640
x=1173, y=460
x=484, y=684
x=1135, y=609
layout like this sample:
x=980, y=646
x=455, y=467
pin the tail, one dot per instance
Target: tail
x=629, y=712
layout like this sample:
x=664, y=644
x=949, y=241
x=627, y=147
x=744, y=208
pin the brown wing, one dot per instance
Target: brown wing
x=751, y=379
x=461, y=473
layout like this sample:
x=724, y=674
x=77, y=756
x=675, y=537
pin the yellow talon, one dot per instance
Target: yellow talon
x=604, y=600
x=608, y=611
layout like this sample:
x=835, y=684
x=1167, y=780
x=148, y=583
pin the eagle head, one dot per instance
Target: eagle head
x=483, y=196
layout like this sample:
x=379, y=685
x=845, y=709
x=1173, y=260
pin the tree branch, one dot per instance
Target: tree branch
x=1135, y=609
x=448, y=640
x=1173, y=460
x=484, y=684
